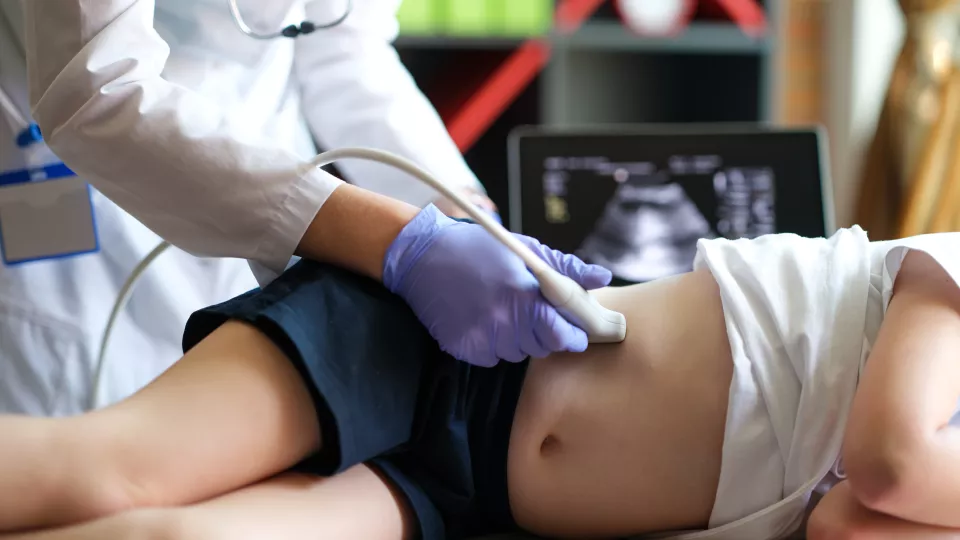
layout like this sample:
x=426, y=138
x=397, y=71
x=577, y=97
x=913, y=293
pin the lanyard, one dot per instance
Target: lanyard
x=41, y=219
x=17, y=121
x=35, y=174
x=25, y=133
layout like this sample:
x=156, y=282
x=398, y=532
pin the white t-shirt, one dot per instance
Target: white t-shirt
x=802, y=315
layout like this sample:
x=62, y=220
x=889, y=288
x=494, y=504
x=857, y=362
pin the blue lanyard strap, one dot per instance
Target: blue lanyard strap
x=37, y=174
x=31, y=135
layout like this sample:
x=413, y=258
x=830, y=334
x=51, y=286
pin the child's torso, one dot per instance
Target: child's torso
x=627, y=438
x=732, y=388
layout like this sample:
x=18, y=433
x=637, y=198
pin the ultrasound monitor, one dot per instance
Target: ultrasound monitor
x=637, y=200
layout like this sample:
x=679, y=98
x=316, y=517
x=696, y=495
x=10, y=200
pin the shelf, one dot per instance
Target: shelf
x=699, y=38
x=485, y=85
x=415, y=41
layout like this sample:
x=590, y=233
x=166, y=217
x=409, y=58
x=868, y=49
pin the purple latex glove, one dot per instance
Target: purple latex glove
x=477, y=298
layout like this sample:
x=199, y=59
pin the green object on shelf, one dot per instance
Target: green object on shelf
x=469, y=17
x=419, y=17
x=525, y=17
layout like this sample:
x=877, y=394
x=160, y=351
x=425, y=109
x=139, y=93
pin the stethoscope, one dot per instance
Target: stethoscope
x=292, y=31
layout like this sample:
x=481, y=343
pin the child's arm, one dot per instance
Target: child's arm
x=901, y=457
x=840, y=516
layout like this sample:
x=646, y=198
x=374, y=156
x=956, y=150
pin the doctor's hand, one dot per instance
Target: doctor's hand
x=476, y=297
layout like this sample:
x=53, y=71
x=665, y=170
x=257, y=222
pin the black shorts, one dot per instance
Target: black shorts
x=385, y=395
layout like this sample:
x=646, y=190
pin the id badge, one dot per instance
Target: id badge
x=45, y=213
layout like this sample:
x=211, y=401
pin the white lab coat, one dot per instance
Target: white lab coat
x=200, y=132
x=205, y=145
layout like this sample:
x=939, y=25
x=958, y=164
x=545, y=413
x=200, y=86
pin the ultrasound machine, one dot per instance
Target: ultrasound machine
x=636, y=199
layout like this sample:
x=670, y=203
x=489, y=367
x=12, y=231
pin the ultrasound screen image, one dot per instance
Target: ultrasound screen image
x=650, y=226
x=642, y=218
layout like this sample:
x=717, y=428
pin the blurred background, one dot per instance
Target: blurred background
x=492, y=65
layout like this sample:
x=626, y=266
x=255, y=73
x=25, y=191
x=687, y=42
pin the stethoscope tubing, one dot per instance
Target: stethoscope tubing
x=292, y=31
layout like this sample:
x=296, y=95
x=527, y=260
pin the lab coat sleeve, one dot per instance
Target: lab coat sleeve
x=357, y=92
x=160, y=151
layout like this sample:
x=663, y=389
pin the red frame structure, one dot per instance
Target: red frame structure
x=503, y=86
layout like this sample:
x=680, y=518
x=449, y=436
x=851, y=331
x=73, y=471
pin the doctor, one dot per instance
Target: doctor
x=183, y=115
x=52, y=312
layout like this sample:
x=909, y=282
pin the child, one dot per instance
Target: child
x=320, y=408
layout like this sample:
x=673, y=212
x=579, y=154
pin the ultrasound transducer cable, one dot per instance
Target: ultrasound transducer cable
x=569, y=298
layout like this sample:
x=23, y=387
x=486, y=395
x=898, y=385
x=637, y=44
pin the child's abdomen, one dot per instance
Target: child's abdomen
x=625, y=439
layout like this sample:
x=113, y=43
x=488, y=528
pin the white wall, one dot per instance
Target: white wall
x=864, y=37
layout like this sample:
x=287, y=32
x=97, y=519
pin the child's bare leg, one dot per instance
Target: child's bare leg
x=233, y=411
x=354, y=505
x=901, y=457
x=840, y=516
